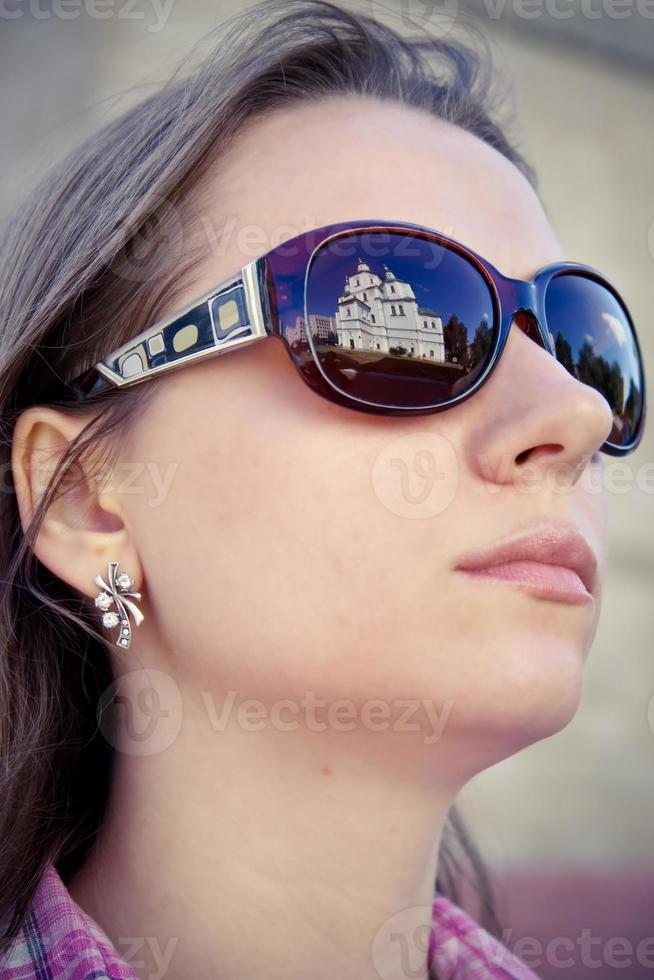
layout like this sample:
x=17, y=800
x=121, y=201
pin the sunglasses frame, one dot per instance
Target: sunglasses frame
x=249, y=306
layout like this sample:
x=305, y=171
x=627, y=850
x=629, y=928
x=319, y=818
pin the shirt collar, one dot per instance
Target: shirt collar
x=58, y=939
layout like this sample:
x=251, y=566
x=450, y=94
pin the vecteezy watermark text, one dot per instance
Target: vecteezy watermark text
x=316, y=714
x=154, y=12
x=419, y=13
x=141, y=713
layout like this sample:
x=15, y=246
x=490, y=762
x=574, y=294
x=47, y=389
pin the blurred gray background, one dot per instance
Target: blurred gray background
x=567, y=824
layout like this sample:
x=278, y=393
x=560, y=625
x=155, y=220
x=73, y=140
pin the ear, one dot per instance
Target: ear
x=85, y=527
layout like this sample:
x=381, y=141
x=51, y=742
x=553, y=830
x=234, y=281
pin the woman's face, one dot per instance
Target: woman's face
x=303, y=547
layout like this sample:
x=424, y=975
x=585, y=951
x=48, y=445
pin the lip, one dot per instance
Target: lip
x=552, y=561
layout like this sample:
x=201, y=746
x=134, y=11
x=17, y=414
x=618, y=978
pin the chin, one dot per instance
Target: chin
x=540, y=694
x=528, y=689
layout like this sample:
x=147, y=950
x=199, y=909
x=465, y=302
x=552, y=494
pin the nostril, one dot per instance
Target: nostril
x=529, y=454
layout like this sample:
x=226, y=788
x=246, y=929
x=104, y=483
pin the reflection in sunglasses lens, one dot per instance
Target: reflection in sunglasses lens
x=594, y=341
x=396, y=319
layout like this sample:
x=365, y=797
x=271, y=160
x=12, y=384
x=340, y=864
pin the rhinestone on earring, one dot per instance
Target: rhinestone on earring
x=115, y=592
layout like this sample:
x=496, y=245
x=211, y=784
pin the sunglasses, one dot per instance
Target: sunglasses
x=391, y=318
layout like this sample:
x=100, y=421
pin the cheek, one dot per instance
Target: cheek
x=281, y=560
x=275, y=563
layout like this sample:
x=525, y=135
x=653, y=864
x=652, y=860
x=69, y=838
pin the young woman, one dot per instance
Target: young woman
x=304, y=416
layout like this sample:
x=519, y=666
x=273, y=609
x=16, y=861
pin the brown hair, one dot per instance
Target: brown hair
x=68, y=295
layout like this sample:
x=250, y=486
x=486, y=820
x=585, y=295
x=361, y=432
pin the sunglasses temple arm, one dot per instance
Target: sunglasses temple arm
x=229, y=316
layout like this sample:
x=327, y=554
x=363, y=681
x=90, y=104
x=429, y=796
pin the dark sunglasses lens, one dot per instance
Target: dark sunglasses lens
x=594, y=340
x=398, y=320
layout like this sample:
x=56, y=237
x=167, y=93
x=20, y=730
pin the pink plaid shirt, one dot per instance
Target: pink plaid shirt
x=59, y=940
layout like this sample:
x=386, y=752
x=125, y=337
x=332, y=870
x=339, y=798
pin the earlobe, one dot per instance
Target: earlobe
x=83, y=529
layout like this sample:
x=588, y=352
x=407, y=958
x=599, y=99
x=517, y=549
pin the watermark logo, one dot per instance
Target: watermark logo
x=140, y=713
x=400, y=947
x=416, y=475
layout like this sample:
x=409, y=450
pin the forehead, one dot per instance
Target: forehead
x=352, y=157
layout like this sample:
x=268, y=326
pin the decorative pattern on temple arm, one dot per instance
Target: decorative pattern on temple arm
x=226, y=317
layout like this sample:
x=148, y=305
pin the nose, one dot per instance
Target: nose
x=534, y=417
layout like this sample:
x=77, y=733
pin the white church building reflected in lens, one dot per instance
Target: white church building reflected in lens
x=383, y=315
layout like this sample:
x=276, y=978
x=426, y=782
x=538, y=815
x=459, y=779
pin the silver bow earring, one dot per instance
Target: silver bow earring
x=116, y=592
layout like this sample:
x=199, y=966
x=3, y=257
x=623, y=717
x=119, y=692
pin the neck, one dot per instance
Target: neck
x=249, y=847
